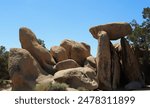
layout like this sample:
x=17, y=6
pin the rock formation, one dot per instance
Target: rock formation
x=29, y=42
x=71, y=63
x=113, y=64
x=76, y=51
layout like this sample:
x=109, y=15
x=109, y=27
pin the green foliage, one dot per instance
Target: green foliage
x=140, y=37
x=4, y=63
x=41, y=42
x=51, y=87
x=57, y=87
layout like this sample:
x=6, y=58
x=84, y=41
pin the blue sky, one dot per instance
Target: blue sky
x=56, y=20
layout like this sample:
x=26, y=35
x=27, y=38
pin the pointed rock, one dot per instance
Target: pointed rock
x=29, y=42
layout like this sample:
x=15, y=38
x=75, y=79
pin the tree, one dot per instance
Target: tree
x=41, y=42
x=140, y=37
x=4, y=63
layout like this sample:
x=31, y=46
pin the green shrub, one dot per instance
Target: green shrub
x=51, y=87
x=4, y=75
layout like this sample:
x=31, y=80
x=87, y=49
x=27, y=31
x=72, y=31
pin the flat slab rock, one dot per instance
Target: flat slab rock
x=114, y=30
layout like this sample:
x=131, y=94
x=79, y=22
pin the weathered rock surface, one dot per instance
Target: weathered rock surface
x=114, y=30
x=58, y=53
x=115, y=68
x=76, y=51
x=29, y=42
x=23, y=69
x=66, y=64
x=77, y=77
x=130, y=63
x=103, y=61
x=90, y=62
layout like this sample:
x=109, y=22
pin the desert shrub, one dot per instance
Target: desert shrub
x=51, y=87
x=4, y=75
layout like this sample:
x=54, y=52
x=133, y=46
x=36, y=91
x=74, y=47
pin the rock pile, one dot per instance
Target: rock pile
x=71, y=62
x=67, y=63
x=115, y=63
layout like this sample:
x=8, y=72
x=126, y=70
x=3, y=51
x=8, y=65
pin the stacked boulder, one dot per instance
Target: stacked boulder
x=114, y=63
x=115, y=66
x=32, y=64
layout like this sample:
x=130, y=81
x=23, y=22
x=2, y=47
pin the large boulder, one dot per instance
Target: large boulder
x=23, y=69
x=77, y=77
x=114, y=30
x=66, y=64
x=130, y=63
x=76, y=51
x=58, y=53
x=29, y=42
x=103, y=62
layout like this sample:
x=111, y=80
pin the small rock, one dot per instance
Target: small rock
x=90, y=62
x=66, y=64
x=58, y=53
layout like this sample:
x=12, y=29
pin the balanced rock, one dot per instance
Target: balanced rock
x=130, y=63
x=103, y=62
x=90, y=62
x=58, y=53
x=23, y=69
x=77, y=77
x=76, y=51
x=29, y=42
x=114, y=30
x=66, y=64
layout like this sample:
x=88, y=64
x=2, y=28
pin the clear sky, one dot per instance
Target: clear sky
x=56, y=20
